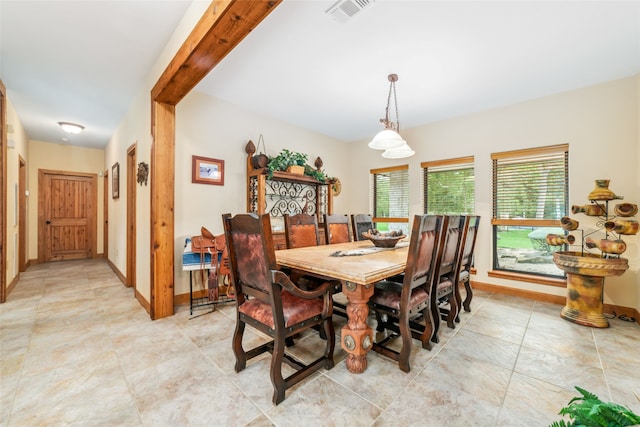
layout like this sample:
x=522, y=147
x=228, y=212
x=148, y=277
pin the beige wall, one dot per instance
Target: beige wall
x=18, y=139
x=67, y=158
x=600, y=124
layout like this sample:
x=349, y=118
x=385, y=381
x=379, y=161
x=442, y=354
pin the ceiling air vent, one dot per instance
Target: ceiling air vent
x=343, y=10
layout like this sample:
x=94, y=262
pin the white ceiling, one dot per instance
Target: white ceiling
x=303, y=67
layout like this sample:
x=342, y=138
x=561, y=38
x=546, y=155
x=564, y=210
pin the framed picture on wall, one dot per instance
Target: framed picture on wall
x=205, y=170
x=115, y=180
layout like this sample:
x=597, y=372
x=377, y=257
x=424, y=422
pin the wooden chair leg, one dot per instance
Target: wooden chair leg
x=405, y=334
x=458, y=299
x=427, y=333
x=380, y=327
x=435, y=316
x=329, y=331
x=453, y=312
x=241, y=357
x=279, y=385
x=467, y=301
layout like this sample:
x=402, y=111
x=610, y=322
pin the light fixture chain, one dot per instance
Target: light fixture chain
x=395, y=100
x=388, y=124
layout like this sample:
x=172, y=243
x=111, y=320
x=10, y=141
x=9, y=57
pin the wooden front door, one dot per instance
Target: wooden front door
x=66, y=215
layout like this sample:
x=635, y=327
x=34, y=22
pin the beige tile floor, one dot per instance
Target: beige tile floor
x=77, y=349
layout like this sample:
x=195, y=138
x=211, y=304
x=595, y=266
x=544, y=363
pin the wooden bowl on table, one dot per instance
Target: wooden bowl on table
x=384, y=240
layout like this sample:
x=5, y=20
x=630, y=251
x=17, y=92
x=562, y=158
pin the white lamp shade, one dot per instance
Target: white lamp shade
x=386, y=139
x=399, y=152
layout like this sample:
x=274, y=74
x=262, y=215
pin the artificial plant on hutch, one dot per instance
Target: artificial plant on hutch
x=286, y=159
x=586, y=270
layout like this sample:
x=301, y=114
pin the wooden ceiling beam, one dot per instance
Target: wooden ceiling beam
x=225, y=24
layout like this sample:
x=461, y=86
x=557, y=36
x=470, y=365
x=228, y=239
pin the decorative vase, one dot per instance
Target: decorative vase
x=585, y=283
x=591, y=210
x=569, y=224
x=558, y=239
x=626, y=209
x=606, y=246
x=602, y=192
x=622, y=226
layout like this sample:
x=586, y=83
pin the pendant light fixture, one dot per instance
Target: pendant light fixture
x=389, y=139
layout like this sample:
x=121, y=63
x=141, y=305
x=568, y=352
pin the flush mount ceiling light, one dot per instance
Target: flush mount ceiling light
x=389, y=139
x=71, y=127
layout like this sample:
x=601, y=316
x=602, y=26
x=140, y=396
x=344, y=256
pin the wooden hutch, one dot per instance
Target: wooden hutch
x=285, y=193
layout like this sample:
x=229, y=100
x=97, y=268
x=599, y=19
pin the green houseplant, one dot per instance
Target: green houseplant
x=287, y=158
x=589, y=411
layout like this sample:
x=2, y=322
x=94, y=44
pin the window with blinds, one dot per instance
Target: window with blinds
x=449, y=186
x=390, y=197
x=530, y=195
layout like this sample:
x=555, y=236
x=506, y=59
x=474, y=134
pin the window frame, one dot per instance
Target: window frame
x=532, y=153
x=467, y=162
x=373, y=198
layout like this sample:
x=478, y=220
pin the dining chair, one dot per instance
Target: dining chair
x=448, y=272
x=269, y=301
x=301, y=230
x=396, y=303
x=336, y=229
x=466, y=261
x=361, y=223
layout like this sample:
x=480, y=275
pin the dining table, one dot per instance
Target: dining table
x=358, y=266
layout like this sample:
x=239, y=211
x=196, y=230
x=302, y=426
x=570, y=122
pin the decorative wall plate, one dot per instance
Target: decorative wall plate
x=143, y=173
x=336, y=187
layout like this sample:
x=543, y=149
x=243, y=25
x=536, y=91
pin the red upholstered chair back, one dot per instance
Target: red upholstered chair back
x=301, y=230
x=424, y=249
x=251, y=253
x=336, y=229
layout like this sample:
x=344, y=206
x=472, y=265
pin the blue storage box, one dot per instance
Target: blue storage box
x=191, y=258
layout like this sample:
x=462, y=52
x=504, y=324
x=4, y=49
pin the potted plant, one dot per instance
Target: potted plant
x=289, y=161
x=588, y=410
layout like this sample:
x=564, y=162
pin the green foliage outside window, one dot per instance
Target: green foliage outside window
x=450, y=192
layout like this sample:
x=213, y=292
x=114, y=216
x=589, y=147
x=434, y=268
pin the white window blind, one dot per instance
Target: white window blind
x=531, y=184
x=390, y=194
x=449, y=187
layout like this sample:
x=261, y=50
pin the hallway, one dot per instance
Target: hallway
x=77, y=349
